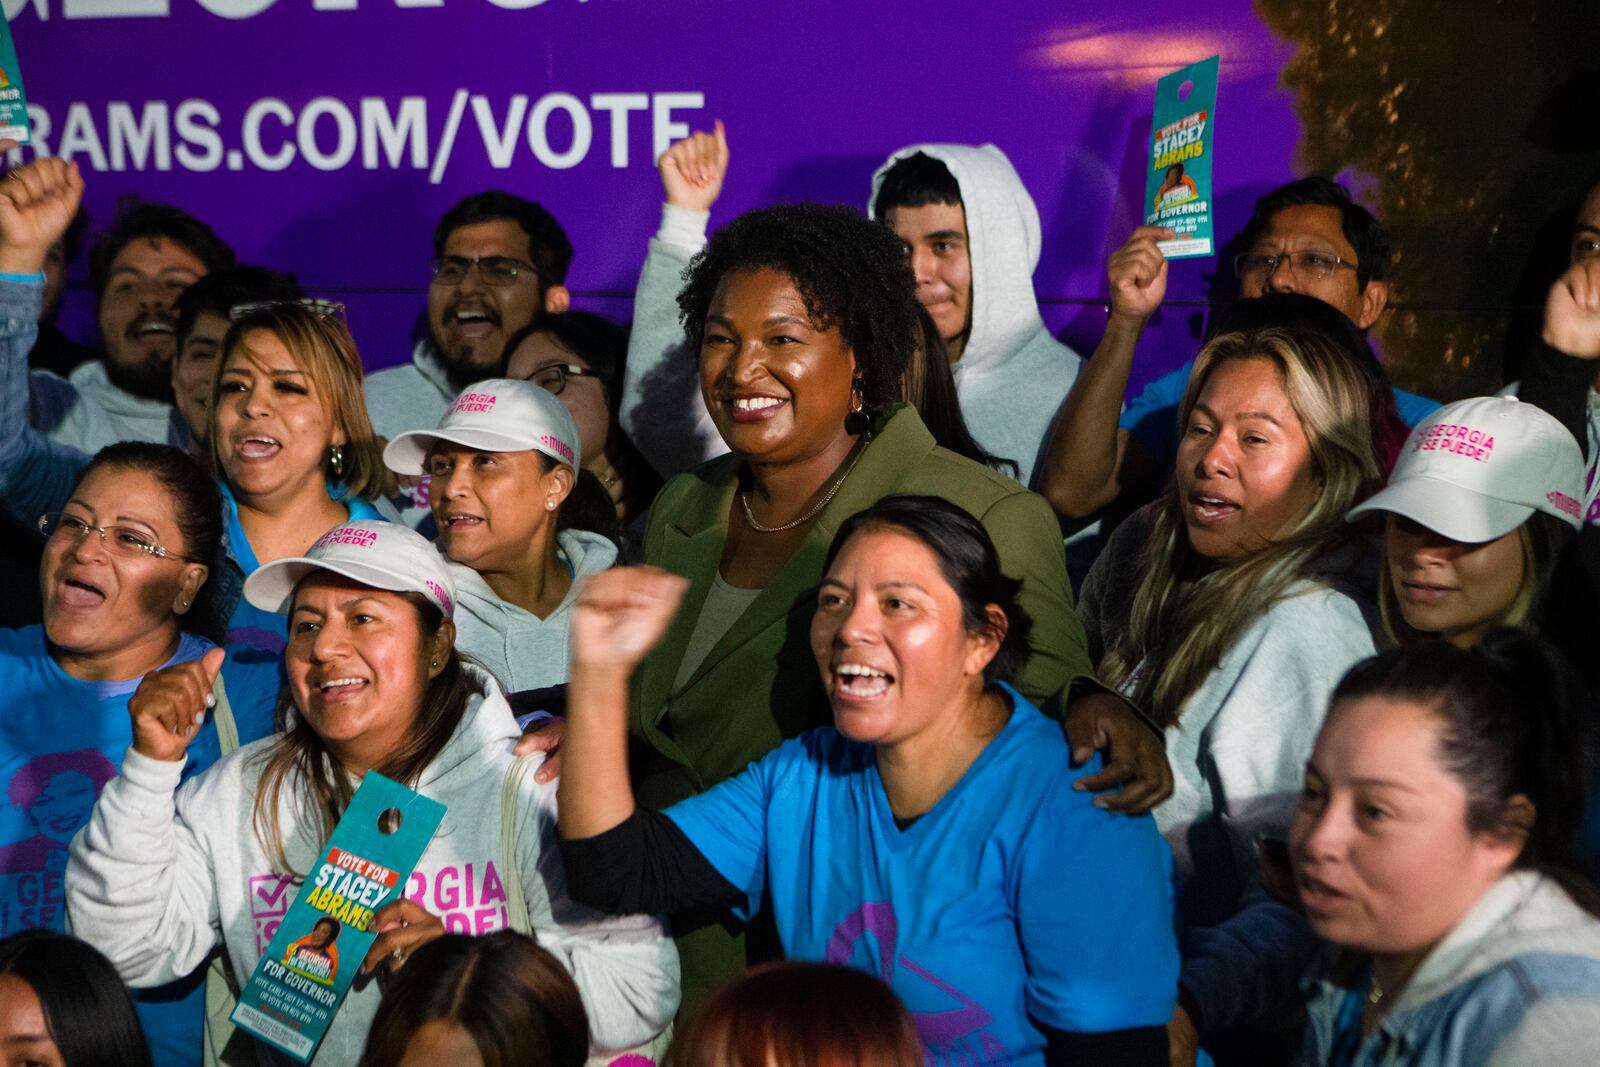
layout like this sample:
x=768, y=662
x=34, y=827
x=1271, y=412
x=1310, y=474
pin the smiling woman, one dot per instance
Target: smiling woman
x=126, y=578
x=375, y=684
x=804, y=318
x=922, y=836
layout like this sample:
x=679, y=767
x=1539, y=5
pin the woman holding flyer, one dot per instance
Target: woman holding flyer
x=375, y=684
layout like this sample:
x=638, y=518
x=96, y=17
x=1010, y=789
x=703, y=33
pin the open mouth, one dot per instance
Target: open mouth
x=463, y=521
x=1211, y=508
x=1318, y=896
x=258, y=446
x=149, y=327
x=860, y=682
x=341, y=688
x=755, y=408
x=471, y=321
x=78, y=595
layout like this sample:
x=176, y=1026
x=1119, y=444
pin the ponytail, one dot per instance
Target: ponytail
x=1515, y=722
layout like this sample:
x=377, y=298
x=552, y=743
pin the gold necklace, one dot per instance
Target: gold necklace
x=749, y=517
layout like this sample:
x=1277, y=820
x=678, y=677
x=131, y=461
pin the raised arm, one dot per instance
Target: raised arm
x=661, y=409
x=1083, y=464
x=140, y=887
x=1567, y=365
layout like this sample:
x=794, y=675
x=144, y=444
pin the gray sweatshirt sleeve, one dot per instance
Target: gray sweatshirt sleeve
x=1260, y=739
x=625, y=966
x=662, y=410
x=36, y=473
x=139, y=883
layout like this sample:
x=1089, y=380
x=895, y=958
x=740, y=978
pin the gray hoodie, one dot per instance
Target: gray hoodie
x=1010, y=379
x=1515, y=984
x=1012, y=375
x=164, y=875
x=87, y=412
x=520, y=649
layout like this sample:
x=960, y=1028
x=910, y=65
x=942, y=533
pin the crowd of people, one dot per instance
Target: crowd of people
x=828, y=668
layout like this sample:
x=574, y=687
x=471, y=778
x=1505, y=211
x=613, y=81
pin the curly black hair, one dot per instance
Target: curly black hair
x=852, y=273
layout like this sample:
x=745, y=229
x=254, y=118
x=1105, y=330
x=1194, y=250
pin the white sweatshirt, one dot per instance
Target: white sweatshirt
x=162, y=875
x=87, y=412
x=520, y=649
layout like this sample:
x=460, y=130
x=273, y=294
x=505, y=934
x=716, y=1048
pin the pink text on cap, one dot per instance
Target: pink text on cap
x=437, y=590
x=1456, y=438
x=1562, y=502
x=478, y=402
x=560, y=446
x=344, y=535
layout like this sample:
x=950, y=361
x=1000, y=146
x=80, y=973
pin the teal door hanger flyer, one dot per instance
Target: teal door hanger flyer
x=303, y=977
x=1178, y=182
x=13, y=104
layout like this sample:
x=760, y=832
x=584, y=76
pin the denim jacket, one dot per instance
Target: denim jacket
x=1517, y=982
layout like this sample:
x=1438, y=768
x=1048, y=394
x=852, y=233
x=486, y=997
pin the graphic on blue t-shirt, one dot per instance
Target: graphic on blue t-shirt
x=867, y=939
x=51, y=797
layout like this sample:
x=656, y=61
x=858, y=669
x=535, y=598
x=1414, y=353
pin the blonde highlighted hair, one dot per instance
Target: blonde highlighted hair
x=323, y=348
x=1188, y=611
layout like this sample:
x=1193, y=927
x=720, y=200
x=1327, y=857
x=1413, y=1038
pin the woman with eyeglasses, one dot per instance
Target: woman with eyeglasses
x=128, y=569
x=579, y=357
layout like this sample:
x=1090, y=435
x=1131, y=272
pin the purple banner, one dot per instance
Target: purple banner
x=327, y=136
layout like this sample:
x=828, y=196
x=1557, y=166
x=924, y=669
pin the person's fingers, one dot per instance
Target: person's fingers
x=1135, y=798
x=1085, y=735
x=550, y=770
x=1108, y=777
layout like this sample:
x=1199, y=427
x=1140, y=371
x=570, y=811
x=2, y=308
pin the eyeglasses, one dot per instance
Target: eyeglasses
x=552, y=377
x=122, y=540
x=322, y=309
x=1312, y=266
x=496, y=270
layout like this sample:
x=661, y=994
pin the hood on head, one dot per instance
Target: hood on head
x=1003, y=240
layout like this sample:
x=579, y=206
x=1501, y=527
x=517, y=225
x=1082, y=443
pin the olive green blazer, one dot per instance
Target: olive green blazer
x=759, y=685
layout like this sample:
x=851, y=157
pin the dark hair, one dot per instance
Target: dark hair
x=221, y=291
x=1175, y=167
x=197, y=511
x=795, y=1014
x=517, y=1002
x=1364, y=232
x=331, y=921
x=77, y=230
x=968, y=561
x=930, y=387
x=548, y=245
x=915, y=181
x=850, y=272
x=1514, y=722
x=140, y=219
x=86, y=1008
x=1300, y=316
x=320, y=788
x=595, y=339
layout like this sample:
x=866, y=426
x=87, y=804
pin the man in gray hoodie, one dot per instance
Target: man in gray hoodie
x=500, y=261
x=974, y=241
x=138, y=268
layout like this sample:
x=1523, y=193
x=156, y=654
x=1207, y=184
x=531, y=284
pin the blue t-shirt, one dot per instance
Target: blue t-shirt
x=1152, y=418
x=249, y=625
x=1015, y=898
x=61, y=740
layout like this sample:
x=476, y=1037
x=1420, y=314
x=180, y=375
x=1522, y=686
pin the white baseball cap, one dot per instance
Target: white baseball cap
x=497, y=415
x=384, y=555
x=1477, y=469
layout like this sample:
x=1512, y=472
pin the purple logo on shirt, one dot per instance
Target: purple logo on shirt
x=951, y=1038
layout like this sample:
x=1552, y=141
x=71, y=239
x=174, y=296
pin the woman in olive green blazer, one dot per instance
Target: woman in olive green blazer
x=803, y=318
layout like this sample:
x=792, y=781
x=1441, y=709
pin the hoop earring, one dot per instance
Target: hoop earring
x=336, y=460
x=858, y=423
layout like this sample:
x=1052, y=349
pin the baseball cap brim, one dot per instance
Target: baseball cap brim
x=408, y=452
x=1448, y=509
x=271, y=588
